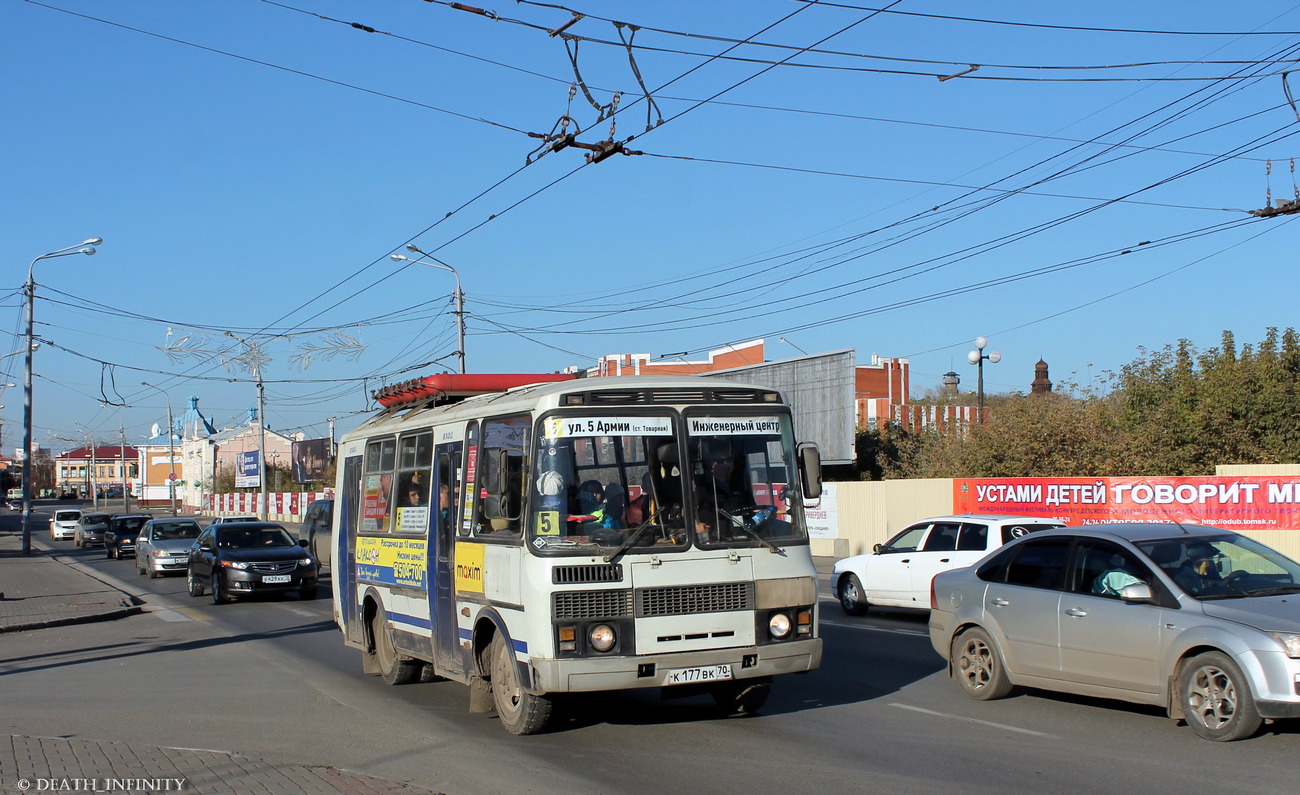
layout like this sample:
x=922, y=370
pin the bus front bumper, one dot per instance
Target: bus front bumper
x=665, y=670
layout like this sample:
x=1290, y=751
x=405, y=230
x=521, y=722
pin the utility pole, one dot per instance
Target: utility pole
x=261, y=441
x=126, y=491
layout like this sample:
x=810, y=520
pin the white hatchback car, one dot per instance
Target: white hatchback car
x=899, y=571
x=63, y=524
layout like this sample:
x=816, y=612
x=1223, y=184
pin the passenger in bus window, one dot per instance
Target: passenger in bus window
x=414, y=491
x=444, y=505
x=590, y=503
x=615, y=506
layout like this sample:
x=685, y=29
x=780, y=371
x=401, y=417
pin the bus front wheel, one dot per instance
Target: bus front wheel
x=520, y=712
x=742, y=697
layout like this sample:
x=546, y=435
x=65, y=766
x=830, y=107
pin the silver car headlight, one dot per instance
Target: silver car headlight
x=1291, y=641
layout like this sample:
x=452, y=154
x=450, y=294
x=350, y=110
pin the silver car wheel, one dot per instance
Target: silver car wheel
x=978, y=666
x=1216, y=699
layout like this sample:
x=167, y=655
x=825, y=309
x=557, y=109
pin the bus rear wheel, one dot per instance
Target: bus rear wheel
x=392, y=668
x=520, y=712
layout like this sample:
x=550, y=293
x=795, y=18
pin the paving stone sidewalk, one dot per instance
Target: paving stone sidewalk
x=41, y=590
x=46, y=589
x=55, y=764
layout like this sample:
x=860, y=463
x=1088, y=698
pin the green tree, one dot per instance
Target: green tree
x=1173, y=411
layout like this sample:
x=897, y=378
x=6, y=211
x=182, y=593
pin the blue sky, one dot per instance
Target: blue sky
x=251, y=165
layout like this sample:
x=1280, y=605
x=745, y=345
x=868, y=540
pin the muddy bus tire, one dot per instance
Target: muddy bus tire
x=520, y=711
x=743, y=697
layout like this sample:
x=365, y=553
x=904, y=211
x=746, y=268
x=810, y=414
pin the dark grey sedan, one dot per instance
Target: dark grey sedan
x=1199, y=620
x=245, y=558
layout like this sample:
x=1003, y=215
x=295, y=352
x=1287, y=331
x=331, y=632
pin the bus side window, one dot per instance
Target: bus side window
x=499, y=509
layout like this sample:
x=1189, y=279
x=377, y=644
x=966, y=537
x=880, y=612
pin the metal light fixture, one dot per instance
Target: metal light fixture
x=29, y=297
x=459, y=294
x=977, y=357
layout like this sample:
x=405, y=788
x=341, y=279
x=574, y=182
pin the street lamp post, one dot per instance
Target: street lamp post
x=171, y=446
x=977, y=357
x=29, y=295
x=460, y=296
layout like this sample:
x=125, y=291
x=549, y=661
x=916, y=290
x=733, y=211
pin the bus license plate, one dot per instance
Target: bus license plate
x=710, y=673
x=274, y=578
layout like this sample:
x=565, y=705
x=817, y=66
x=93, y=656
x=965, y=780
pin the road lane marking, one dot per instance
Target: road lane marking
x=169, y=615
x=990, y=724
x=871, y=628
x=179, y=614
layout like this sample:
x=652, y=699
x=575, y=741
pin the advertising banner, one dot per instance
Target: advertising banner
x=1233, y=502
x=249, y=474
x=824, y=518
x=392, y=561
x=310, y=458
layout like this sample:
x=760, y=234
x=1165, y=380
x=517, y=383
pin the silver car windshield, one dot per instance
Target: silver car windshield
x=1224, y=567
x=175, y=530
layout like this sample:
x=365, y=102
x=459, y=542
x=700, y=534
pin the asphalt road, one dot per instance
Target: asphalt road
x=271, y=678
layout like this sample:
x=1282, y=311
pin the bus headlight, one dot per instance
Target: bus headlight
x=778, y=625
x=602, y=637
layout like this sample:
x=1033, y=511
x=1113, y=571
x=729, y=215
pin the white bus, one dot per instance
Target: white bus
x=532, y=539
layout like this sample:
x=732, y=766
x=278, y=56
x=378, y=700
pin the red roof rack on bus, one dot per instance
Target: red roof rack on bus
x=450, y=387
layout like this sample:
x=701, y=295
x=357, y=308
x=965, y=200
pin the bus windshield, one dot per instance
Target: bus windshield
x=744, y=482
x=599, y=480
x=626, y=482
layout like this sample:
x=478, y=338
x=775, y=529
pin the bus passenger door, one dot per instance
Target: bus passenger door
x=343, y=558
x=446, y=485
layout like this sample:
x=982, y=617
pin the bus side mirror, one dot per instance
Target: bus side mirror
x=810, y=470
x=504, y=485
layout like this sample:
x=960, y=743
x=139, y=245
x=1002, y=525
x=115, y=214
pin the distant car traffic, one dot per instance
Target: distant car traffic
x=318, y=525
x=163, y=546
x=241, y=517
x=898, y=572
x=1200, y=621
x=245, y=558
x=120, y=535
x=63, y=524
x=90, y=529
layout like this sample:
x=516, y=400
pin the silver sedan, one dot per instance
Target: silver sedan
x=1199, y=620
x=163, y=546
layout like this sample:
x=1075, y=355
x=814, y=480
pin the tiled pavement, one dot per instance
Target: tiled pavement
x=45, y=590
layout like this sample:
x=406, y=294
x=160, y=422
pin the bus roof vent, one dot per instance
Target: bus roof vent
x=611, y=397
x=599, y=572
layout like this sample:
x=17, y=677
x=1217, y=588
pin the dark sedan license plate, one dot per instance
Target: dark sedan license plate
x=273, y=579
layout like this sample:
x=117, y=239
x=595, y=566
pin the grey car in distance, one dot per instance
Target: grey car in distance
x=163, y=546
x=90, y=529
x=1201, y=621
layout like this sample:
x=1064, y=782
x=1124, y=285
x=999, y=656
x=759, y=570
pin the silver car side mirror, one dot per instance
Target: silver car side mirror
x=1137, y=592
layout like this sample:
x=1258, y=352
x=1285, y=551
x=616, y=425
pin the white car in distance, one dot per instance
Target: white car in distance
x=898, y=572
x=63, y=524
